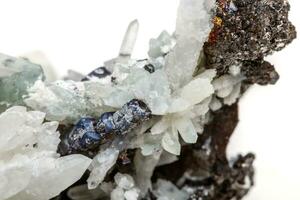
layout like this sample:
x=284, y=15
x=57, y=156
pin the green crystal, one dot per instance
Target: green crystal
x=14, y=87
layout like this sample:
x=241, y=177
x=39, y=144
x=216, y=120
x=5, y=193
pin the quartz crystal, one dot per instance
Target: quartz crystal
x=144, y=167
x=174, y=148
x=124, y=181
x=125, y=188
x=30, y=167
x=60, y=100
x=103, y=162
x=192, y=29
x=19, y=74
x=161, y=46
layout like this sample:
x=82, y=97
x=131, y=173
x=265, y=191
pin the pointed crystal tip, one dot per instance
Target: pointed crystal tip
x=129, y=39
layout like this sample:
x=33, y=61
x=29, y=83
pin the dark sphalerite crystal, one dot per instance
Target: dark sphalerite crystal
x=88, y=133
x=124, y=120
x=82, y=137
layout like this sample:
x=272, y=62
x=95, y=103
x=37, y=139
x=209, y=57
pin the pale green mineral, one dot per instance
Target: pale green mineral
x=16, y=76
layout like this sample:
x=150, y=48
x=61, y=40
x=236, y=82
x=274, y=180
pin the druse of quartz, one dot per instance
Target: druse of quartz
x=60, y=100
x=192, y=29
x=30, y=168
x=125, y=188
x=191, y=83
x=16, y=76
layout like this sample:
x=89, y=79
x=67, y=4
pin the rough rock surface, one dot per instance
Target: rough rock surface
x=247, y=30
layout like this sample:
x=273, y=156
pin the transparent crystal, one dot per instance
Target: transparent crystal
x=30, y=168
x=161, y=46
x=16, y=76
x=192, y=29
x=103, y=162
x=124, y=181
x=144, y=166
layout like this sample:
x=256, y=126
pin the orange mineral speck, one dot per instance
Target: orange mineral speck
x=218, y=21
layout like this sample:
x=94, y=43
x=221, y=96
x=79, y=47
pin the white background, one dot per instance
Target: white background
x=81, y=34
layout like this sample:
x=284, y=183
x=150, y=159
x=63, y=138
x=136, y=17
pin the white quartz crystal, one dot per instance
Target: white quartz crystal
x=30, y=168
x=101, y=164
x=165, y=190
x=170, y=141
x=180, y=100
x=40, y=58
x=132, y=194
x=192, y=29
x=144, y=168
x=124, y=181
x=226, y=81
x=117, y=194
x=235, y=70
x=234, y=95
x=186, y=104
x=60, y=100
x=215, y=104
x=162, y=45
x=197, y=90
x=125, y=188
x=166, y=158
x=129, y=39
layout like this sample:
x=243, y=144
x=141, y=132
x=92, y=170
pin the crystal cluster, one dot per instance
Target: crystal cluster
x=132, y=129
x=19, y=74
x=30, y=168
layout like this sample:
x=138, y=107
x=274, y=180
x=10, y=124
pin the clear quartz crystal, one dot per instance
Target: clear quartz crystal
x=161, y=46
x=125, y=188
x=192, y=29
x=132, y=194
x=144, y=166
x=126, y=47
x=124, y=181
x=60, y=100
x=16, y=76
x=101, y=164
x=129, y=39
x=30, y=168
x=117, y=194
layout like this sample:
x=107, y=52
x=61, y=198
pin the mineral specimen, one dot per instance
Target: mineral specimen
x=16, y=76
x=155, y=128
x=246, y=31
x=89, y=133
x=30, y=168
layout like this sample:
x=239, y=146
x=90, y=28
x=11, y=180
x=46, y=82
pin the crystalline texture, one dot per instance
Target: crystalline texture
x=144, y=166
x=103, y=162
x=161, y=46
x=192, y=29
x=124, y=181
x=60, y=100
x=117, y=194
x=13, y=86
x=30, y=168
